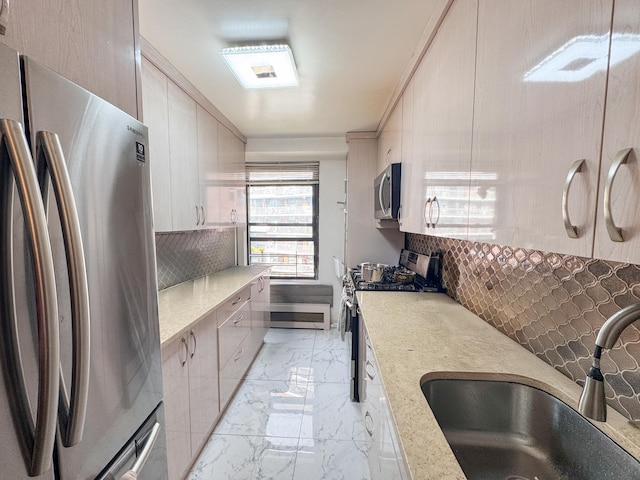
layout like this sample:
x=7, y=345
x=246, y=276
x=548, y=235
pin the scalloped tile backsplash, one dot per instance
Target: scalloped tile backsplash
x=551, y=304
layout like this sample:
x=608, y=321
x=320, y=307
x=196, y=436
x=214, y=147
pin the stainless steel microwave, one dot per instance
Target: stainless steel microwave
x=386, y=193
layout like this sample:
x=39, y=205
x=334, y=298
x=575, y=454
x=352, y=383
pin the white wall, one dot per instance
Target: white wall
x=331, y=152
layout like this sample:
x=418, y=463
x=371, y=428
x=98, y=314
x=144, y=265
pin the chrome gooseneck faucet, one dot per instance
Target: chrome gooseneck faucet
x=592, y=402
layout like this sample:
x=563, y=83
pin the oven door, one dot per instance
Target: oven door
x=355, y=354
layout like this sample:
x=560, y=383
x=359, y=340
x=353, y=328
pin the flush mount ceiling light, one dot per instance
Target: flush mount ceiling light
x=262, y=66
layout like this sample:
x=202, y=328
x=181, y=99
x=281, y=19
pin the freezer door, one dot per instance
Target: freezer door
x=145, y=454
x=105, y=152
x=19, y=324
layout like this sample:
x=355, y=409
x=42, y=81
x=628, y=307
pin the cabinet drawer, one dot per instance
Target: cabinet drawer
x=232, y=371
x=229, y=307
x=233, y=331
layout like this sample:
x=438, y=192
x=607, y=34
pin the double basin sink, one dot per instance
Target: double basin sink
x=505, y=430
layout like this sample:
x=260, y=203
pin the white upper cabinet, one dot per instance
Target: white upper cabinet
x=156, y=117
x=441, y=131
x=409, y=214
x=208, y=168
x=233, y=206
x=197, y=164
x=539, y=107
x=183, y=151
x=620, y=173
x=390, y=140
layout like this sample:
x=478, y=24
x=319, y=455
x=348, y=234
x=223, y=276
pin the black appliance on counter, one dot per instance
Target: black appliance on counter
x=426, y=273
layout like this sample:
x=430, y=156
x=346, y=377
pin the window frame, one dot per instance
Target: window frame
x=315, y=226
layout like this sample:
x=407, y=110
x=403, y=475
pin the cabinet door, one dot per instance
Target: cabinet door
x=442, y=124
x=620, y=133
x=156, y=117
x=184, y=159
x=390, y=140
x=539, y=103
x=233, y=209
x=260, y=313
x=203, y=380
x=175, y=378
x=92, y=44
x=208, y=168
x=409, y=216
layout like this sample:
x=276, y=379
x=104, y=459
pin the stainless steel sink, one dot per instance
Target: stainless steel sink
x=511, y=431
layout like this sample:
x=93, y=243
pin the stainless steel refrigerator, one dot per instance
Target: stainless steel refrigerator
x=81, y=381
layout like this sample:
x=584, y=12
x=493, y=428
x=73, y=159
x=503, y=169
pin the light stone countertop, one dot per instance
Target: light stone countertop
x=182, y=305
x=428, y=335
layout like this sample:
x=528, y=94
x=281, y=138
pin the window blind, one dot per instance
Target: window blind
x=289, y=173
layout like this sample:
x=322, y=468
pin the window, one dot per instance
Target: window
x=282, y=204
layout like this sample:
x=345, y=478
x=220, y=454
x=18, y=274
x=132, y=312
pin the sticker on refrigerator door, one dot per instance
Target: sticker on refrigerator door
x=140, y=156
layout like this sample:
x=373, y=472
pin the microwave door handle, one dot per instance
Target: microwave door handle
x=380, y=188
x=39, y=438
x=72, y=410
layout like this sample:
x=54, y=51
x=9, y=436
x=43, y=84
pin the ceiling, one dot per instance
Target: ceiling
x=352, y=56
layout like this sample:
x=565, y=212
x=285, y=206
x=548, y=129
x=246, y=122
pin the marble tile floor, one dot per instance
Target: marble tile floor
x=292, y=417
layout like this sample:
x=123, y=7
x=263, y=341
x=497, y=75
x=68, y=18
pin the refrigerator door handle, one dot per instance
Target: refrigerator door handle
x=38, y=440
x=72, y=410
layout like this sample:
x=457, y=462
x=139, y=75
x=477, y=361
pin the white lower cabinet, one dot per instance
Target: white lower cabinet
x=385, y=460
x=235, y=354
x=260, y=311
x=190, y=377
x=202, y=369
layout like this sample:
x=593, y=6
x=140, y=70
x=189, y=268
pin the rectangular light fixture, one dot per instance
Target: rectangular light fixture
x=262, y=66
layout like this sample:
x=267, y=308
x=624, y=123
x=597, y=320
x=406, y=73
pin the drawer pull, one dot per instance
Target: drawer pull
x=239, y=319
x=368, y=423
x=236, y=301
x=239, y=355
x=370, y=369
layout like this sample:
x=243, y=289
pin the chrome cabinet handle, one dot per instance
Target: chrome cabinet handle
x=236, y=301
x=435, y=202
x=370, y=369
x=380, y=188
x=197, y=215
x=239, y=355
x=183, y=341
x=146, y=450
x=400, y=215
x=238, y=319
x=204, y=215
x=14, y=153
x=427, y=221
x=572, y=230
x=615, y=233
x=51, y=158
x=195, y=343
x=368, y=424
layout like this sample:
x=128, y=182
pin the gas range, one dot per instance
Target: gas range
x=427, y=270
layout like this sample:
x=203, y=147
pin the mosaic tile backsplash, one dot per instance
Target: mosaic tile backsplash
x=551, y=304
x=183, y=256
